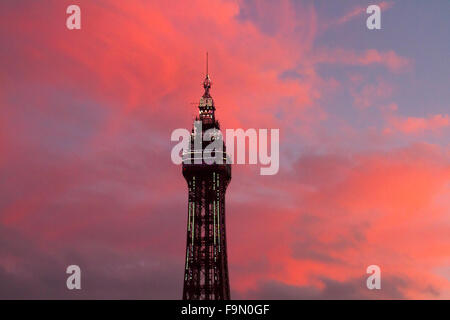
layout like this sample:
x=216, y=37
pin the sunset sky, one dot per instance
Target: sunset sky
x=86, y=176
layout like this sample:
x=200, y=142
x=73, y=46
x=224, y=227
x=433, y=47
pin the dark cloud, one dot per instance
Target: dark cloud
x=391, y=288
x=35, y=273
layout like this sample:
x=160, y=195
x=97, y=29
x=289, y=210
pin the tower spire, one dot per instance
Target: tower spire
x=207, y=82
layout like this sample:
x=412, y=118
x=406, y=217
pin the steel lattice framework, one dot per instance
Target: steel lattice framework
x=206, y=267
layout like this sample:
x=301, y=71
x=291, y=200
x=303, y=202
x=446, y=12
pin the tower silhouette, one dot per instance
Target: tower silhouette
x=206, y=267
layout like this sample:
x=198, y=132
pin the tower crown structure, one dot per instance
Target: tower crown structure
x=206, y=265
x=206, y=105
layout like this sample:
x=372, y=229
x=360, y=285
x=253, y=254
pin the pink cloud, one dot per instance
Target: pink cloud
x=87, y=172
x=353, y=211
x=416, y=125
x=370, y=94
x=389, y=59
x=360, y=11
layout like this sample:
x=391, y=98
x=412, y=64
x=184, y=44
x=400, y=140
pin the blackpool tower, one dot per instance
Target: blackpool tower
x=206, y=267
